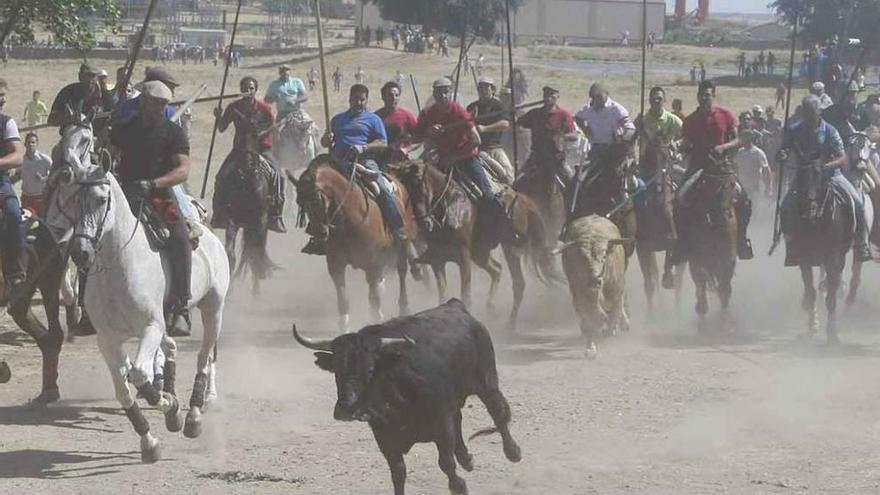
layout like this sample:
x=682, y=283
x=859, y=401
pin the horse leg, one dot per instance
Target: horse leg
x=833, y=277
x=336, y=268
x=465, y=271
x=725, y=291
x=440, y=276
x=48, y=340
x=648, y=265
x=165, y=379
x=141, y=372
x=854, y=282
x=204, y=386
x=119, y=366
x=702, y=307
x=402, y=265
x=808, y=303
x=484, y=260
x=514, y=264
x=374, y=282
x=679, y=283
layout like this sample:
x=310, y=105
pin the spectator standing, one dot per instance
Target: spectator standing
x=36, y=111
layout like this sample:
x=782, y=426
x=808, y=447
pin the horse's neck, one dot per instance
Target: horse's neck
x=125, y=232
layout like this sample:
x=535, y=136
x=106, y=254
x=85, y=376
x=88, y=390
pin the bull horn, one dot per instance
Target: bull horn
x=316, y=345
x=620, y=242
x=565, y=246
x=393, y=344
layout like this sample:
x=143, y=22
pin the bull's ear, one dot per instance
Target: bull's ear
x=325, y=361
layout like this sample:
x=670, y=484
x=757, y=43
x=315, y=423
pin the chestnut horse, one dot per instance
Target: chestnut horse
x=448, y=220
x=546, y=188
x=357, y=233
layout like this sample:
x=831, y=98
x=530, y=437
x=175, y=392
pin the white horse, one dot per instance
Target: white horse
x=296, y=141
x=125, y=290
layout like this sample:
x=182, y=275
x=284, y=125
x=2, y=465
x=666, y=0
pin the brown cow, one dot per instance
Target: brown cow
x=595, y=264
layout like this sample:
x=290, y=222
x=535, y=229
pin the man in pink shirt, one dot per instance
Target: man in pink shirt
x=399, y=122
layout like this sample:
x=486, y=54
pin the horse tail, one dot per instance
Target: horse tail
x=539, y=253
x=255, y=254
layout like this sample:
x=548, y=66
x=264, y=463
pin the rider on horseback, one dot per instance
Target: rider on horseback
x=709, y=132
x=550, y=125
x=488, y=115
x=11, y=157
x=154, y=158
x=812, y=137
x=253, y=121
x=454, y=140
x=353, y=133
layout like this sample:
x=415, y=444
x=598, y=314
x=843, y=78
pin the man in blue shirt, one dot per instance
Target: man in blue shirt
x=353, y=133
x=813, y=137
x=287, y=93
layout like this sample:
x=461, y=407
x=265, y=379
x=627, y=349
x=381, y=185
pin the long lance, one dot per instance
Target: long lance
x=323, y=65
x=135, y=51
x=512, y=89
x=188, y=103
x=780, y=174
x=644, y=61
x=491, y=115
x=227, y=59
x=412, y=81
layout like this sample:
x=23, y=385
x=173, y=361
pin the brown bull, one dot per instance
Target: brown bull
x=357, y=233
x=594, y=261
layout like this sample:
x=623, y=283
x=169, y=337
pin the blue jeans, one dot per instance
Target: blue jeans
x=387, y=205
x=474, y=170
x=13, y=245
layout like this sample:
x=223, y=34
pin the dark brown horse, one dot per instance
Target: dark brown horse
x=357, y=233
x=547, y=189
x=707, y=230
x=248, y=195
x=654, y=232
x=818, y=223
x=448, y=220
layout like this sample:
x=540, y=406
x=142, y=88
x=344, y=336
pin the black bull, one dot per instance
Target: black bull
x=409, y=378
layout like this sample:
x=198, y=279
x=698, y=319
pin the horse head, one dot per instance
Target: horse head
x=413, y=174
x=77, y=141
x=310, y=196
x=79, y=209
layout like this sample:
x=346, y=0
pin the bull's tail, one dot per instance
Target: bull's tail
x=539, y=253
x=484, y=432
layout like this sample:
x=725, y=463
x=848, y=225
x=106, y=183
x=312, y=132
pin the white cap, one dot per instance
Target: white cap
x=443, y=82
x=102, y=73
x=818, y=86
x=157, y=89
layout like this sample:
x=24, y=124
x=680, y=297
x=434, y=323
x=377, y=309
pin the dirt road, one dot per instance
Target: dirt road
x=660, y=411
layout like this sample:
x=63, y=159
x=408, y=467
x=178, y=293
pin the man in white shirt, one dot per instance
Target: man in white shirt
x=752, y=167
x=604, y=121
x=34, y=171
x=818, y=89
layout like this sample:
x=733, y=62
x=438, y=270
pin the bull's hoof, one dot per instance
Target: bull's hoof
x=466, y=462
x=47, y=396
x=457, y=486
x=150, y=450
x=193, y=426
x=5, y=372
x=173, y=422
x=591, y=352
x=512, y=452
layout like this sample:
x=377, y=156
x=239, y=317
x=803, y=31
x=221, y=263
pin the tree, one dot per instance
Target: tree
x=65, y=19
x=822, y=20
x=480, y=16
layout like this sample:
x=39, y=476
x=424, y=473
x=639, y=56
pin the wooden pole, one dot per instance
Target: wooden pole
x=512, y=88
x=227, y=59
x=323, y=65
x=461, y=51
x=133, y=56
x=412, y=81
x=644, y=58
x=780, y=174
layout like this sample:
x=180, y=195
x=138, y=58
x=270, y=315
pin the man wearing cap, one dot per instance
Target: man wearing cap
x=154, y=157
x=13, y=240
x=252, y=119
x=490, y=119
x=711, y=131
x=449, y=129
x=352, y=134
x=287, y=93
x=130, y=109
x=818, y=89
x=81, y=97
x=550, y=125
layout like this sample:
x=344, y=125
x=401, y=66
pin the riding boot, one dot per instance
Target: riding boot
x=276, y=221
x=862, y=251
x=743, y=207
x=180, y=261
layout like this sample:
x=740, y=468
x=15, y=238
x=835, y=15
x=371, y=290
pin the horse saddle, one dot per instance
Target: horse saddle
x=157, y=214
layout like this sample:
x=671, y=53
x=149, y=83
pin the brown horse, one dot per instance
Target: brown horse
x=653, y=225
x=818, y=224
x=357, y=233
x=707, y=230
x=448, y=220
x=547, y=189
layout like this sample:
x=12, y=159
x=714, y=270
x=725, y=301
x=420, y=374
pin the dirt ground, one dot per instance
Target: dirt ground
x=661, y=411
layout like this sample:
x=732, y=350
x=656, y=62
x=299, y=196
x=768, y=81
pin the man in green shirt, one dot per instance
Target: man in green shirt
x=36, y=111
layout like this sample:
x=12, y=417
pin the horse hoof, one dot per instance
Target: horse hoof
x=173, y=422
x=591, y=351
x=47, y=396
x=193, y=426
x=151, y=452
x=5, y=372
x=513, y=452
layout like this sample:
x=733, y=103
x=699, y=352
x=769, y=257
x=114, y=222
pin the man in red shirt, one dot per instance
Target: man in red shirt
x=710, y=131
x=551, y=126
x=449, y=128
x=399, y=122
x=252, y=118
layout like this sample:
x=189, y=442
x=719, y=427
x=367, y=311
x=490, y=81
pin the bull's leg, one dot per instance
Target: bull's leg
x=402, y=264
x=808, y=303
x=514, y=264
x=440, y=275
x=394, y=457
x=465, y=459
x=203, y=393
x=648, y=264
x=854, y=282
x=336, y=268
x=117, y=362
x=499, y=409
x=374, y=282
x=833, y=278
x=446, y=442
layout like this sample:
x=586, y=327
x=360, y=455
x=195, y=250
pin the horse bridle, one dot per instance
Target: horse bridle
x=83, y=186
x=423, y=186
